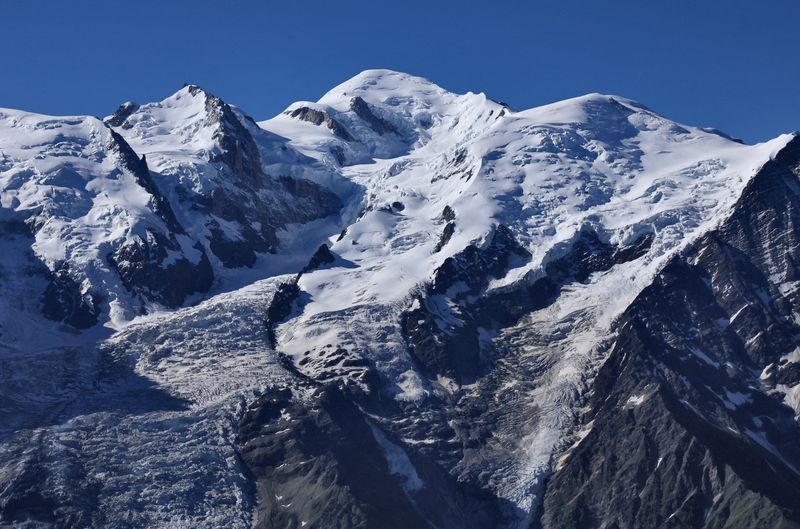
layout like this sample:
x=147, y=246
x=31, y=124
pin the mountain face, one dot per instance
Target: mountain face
x=397, y=307
x=110, y=234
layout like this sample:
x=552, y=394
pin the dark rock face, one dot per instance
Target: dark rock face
x=280, y=307
x=146, y=269
x=338, y=154
x=318, y=117
x=258, y=204
x=328, y=463
x=684, y=430
x=122, y=113
x=62, y=297
x=347, y=485
x=376, y=123
x=239, y=150
x=448, y=214
x=444, y=328
x=447, y=233
x=64, y=300
x=441, y=330
x=320, y=258
x=240, y=252
x=293, y=201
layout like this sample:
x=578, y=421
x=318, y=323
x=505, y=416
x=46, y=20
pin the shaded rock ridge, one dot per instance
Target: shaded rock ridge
x=280, y=307
x=239, y=150
x=690, y=424
x=444, y=329
x=376, y=123
x=318, y=117
x=118, y=118
x=321, y=257
x=257, y=203
x=288, y=297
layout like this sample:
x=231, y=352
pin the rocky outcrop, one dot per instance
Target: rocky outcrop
x=66, y=300
x=322, y=460
x=375, y=122
x=280, y=307
x=321, y=257
x=441, y=329
x=239, y=149
x=155, y=269
x=349, y=483
x=444, y=327
x=118, y=118
x=318, y=117
x=447, y=232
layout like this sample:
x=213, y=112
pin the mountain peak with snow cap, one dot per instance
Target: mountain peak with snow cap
x=382, y=86
x=382, y=114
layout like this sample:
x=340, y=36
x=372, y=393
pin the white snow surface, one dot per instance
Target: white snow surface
x=64, y=174
x=596, y=160
x=180, y=137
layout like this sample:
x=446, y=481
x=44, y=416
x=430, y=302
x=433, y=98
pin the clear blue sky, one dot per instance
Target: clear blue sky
x=733, y=64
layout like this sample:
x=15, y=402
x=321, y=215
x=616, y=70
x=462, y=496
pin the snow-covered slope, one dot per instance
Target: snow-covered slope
x=596, y=162
x=439, y=176
x=234, y=186
x=96, y=220
x=428, y=366
x=101, y=230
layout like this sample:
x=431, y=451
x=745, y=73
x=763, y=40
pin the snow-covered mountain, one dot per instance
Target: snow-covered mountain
x=149, y=209
x=402, y=307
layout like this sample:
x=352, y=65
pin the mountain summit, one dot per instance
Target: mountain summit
x=397, y=307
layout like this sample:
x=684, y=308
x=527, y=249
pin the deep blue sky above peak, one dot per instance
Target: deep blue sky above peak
x=733, y=65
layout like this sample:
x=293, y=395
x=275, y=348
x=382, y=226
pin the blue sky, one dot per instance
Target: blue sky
x=730, y=64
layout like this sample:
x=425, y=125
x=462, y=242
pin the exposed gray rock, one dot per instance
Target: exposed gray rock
x=147, y=269
x=117, y=119
x=448, y=214
x=447, y=233
x=320, y=258
x=318, y=117
x=341, y=469
x=64, y=300
x=376, y=123
x=682, y=432
x=443, y=331
x=280, y=307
